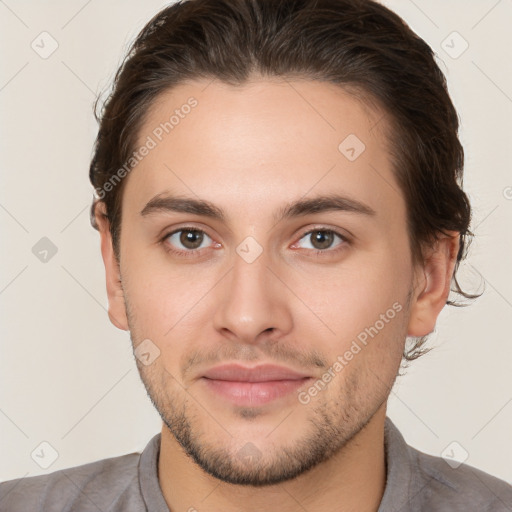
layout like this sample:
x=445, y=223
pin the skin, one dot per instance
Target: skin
x=251, y=150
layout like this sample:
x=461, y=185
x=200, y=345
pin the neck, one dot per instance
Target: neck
x=353, y=479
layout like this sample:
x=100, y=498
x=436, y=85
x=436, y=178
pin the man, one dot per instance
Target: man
x=279, y=204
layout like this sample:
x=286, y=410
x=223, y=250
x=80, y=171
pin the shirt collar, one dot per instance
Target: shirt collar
x=148, y=476
x=398, y=470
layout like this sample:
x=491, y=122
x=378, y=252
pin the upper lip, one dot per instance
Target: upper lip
x=262, y=373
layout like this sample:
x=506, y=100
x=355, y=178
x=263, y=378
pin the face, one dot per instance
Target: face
x=265, y=226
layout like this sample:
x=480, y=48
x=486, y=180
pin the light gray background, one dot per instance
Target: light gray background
x=68, y=376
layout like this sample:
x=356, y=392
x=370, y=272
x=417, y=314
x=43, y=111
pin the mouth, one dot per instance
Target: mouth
x=253, y=393
x=253, y=386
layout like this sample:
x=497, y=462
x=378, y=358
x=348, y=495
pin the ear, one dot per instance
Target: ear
x=116, y=304
x=433, y=284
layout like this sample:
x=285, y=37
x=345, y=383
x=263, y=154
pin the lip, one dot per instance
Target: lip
x=262, y=373
x=253, y=386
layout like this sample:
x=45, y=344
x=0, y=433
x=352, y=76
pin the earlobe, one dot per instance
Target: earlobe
x=116, y=303
x=434, y=286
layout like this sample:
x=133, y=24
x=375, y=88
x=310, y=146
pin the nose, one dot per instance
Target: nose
x=252, y=301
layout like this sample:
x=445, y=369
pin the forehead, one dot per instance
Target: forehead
x=265, y=142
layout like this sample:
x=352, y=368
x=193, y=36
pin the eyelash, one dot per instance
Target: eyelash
x=196, y=252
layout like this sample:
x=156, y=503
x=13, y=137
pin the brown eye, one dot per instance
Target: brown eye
x=321, y=239
x=191, y=239
x=187, y=239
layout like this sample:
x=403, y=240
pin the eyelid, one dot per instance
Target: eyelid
x=325, y=228
x=172, y=231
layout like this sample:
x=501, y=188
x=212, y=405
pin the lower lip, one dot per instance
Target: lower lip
x=254, y=393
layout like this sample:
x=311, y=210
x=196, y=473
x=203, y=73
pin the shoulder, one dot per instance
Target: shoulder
x=418, y=482
x=459, y=486
x=94, y=486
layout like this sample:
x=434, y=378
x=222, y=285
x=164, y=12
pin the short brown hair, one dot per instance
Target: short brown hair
x=359, y=45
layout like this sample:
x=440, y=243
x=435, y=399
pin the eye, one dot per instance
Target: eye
x=186, y=241
x=321, y=240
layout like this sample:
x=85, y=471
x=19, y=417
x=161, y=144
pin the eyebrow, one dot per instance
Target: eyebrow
x=332, y=202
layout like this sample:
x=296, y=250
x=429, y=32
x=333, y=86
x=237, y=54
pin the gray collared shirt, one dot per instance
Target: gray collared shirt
x=416, y=482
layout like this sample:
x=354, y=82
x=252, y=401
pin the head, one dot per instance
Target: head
x=278, y=182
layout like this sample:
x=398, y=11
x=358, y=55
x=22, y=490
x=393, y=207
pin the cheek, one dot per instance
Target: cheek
x=352, y=296
x=167, y=302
